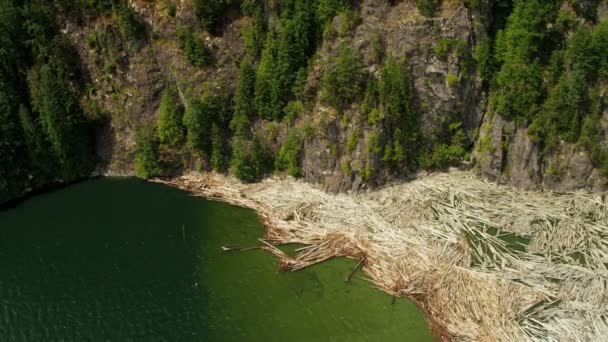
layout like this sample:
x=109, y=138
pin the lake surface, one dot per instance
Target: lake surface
x=125, y=260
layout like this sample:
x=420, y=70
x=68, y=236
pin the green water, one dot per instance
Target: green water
x=124, y=260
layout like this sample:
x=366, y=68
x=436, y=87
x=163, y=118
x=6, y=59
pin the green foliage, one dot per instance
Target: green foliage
x=371, y=99
x=218, y=156
x=586, y=8
x=299, y=85
x=147, y=155
x=254, y=34
x=350, y=20
x=428, y=7
x=267, y=101
x=353, y=140
x=293, y=111
x=518, y=48
x=281, y=72
x=171, y=131
x=212, y=109
x=591, y=139
x=93, y=42
x=485, y=59
x=296, y=43
x=378, y=48
x=452, y=79
x=396, y=97
x=250, y=160
x=343, y=79
x=367, y=172
x=289, y=154
x=171, y=9
x=374, y=142
x=443, y=48
x=240, y=163
x=473, y=4
x=62, y=121
x=44, y=135
x=600, y=46
x=345, y=167
x=210, y=13
x=129, y=26
x=573, y=94
x=197, y=123
x=197, y=52
x=243, y=100
x=520, y=90
x=444, y=155
x=328, y=9
x=375, y=116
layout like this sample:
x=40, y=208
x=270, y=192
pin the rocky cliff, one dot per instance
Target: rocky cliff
x=126, y=78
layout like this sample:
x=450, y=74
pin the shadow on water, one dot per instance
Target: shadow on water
x=125, y=260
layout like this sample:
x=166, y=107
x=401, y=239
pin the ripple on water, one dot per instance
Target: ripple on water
x=124, y=260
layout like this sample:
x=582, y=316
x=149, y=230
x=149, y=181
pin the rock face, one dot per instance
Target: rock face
x=409, y=35
x=446, y=85
x=506, y=154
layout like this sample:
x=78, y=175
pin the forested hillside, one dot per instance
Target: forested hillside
x=44, y=133
x=350, y=94
x=547, y=71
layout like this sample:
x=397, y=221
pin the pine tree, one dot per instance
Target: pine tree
x=170, y=127
x=395, y=96
x=267, y=101
x=210, y=12
x=62, y=122
x=197, y=124
x=147, y=155
x=343, y=80
x=243, y=100
x=241, y=164
x=217, y=149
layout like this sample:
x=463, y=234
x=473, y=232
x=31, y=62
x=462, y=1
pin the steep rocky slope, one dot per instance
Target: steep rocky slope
x=505, y=151
x=126, y=79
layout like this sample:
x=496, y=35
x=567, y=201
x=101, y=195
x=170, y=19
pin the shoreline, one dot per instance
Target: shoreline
x=430, y=240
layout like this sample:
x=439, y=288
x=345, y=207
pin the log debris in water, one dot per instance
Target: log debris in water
x=350, y=275
x=484, y=262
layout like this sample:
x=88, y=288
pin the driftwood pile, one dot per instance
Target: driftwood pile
x=484, y=262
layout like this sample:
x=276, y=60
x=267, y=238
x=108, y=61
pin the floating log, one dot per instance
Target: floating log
x=350, y=275
x=240, y=249
x=442, y=240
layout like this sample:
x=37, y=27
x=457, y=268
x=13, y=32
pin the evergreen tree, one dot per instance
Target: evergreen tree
x=267, y=101
x=254, y=34
x=243, y=99
x=147, y=155
x=210, y=13
x=62, y=121
x=343, y=80
x=518, y=49
x=170, y=128
x=328, y=9
x=217, y=150
x=241, y=164
x=197, y=124
x=196, y=50
x=395, y=97
x=289, y=154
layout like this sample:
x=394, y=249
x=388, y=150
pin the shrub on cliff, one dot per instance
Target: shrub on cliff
x=289, y=154
x=197, y=52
